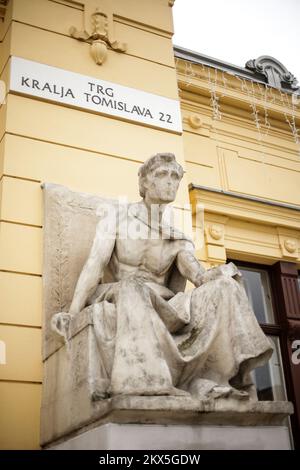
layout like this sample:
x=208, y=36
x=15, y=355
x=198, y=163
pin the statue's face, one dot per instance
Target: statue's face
x=162, y=183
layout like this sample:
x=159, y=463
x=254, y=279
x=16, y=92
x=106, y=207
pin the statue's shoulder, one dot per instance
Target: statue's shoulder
x=111, y=210
x=184, y=244
x=108, y=215
x=183, y=241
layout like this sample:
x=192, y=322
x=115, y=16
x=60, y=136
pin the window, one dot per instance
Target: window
x=269, y=379
x=258, y=289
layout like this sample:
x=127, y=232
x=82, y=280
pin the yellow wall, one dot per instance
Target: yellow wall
x=47, y=142
x=234, y=154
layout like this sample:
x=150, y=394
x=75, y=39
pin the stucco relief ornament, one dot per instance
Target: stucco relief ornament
x=99, y=39
x=216, y=232
x=195, y=121
x=275, y=72
x=290, y=245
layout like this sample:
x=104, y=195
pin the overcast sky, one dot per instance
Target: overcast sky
x=238, y=30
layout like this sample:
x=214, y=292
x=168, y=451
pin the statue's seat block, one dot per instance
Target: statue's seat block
x=71, y=372
x=70, y=220
x=73, y=379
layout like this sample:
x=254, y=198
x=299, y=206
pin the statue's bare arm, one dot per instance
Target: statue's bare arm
x=188, y=265
x=99, y=257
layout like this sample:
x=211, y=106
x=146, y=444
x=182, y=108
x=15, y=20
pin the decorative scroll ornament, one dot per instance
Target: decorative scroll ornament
x=100, y=38
x=277, y=74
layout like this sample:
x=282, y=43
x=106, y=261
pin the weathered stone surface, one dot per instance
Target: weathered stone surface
x=129, y=327
x=187, y=412
x=68, y=407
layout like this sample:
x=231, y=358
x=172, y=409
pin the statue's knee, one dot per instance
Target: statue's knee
x=228, y=282
x=220, y=284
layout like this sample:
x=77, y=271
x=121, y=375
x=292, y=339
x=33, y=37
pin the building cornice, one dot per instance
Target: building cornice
x=245, y=197
x=202, y=59
x=254, y=229
x=198, y=82
x=255, y=71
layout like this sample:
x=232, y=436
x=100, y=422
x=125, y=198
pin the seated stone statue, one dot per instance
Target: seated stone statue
x=154, y=338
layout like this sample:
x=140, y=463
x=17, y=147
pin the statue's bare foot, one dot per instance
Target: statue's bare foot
x=239, y=394
x=170, y=392
x=179, y=393
x=220, y=391
x=226, y=391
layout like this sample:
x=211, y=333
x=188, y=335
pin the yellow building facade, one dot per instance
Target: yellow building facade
x=237, y=142
x=238, y=146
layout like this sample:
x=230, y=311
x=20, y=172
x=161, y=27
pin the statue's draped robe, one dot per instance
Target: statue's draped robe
x=152, y=339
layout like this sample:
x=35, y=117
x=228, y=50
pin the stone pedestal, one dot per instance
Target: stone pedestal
x=182, y=423
x=179, y=437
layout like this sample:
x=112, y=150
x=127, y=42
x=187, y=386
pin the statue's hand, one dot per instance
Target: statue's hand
x=60, y=323
x=206, y=276
x=229, y=270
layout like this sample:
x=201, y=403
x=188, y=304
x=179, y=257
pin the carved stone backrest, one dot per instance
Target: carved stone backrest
x=70, y=220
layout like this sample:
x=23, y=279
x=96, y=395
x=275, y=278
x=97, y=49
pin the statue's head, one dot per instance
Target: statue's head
x=159, y=178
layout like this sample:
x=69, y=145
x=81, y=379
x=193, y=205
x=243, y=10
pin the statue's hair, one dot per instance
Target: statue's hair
x=154, y=162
